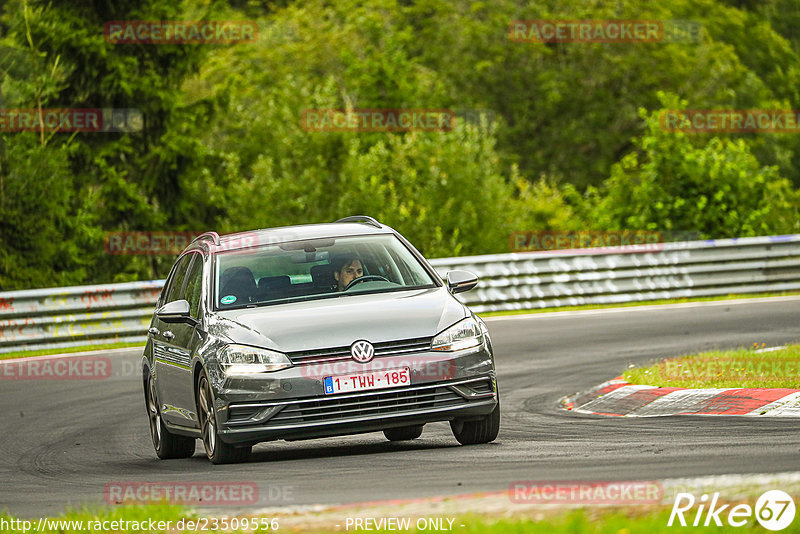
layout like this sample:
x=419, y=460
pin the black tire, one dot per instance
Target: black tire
x=482, y=430
x=168, y=446
x=217, y=450
x=403, y=433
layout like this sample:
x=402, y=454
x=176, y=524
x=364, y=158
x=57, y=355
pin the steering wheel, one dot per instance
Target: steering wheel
x=366, y=278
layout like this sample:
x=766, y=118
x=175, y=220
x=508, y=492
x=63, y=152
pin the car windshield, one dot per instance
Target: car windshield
x=316, y=268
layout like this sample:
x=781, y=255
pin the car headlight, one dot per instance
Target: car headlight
x=240, y=359
x=462, y=335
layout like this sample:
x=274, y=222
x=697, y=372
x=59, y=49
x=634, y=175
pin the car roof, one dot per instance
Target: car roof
x=283, y=234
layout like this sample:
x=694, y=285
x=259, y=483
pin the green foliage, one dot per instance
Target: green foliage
x=718, y=189
x=223, y=146
x=545, y=205
x=570, y=109
x=54, y=55
x=39, y=207
x=737, y=368
x=445, y=189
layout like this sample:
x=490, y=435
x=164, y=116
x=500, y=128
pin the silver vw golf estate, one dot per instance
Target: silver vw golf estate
x=311, y=331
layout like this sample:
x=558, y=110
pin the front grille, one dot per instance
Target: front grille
x=242, y=413
x=386, y=348
x=483, y=387
x=333, y=409
x=347, y=407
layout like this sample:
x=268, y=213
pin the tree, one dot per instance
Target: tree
x=719, y=189
x=56, y=56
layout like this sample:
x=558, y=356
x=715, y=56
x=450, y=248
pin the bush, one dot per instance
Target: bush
x=718, y=189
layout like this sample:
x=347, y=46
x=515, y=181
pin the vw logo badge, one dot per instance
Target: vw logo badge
x=362, y=351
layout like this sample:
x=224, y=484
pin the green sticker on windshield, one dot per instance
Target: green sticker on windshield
x=228, y=299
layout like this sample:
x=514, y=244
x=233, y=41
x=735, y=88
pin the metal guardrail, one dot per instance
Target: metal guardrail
x=72, y=316
x=633, y=273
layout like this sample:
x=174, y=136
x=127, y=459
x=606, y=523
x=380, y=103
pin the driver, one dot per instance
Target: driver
x=346, y=268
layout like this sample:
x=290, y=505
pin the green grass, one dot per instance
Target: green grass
x=638, y=303
x=602, y=521
x=67, y=350
x=597, y=520
x=724, y=369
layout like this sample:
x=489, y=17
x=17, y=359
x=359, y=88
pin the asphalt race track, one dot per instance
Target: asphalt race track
x=63, y=441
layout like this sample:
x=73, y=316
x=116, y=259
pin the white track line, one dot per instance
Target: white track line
x=677, y=402
x=71, y=354
x=788, y=406
x=649, y=307
x=596, y=405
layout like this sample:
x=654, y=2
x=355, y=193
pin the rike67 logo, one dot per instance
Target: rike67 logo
x=774, y=510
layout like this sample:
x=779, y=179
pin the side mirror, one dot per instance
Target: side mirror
x=176, y=311
x=460, y=281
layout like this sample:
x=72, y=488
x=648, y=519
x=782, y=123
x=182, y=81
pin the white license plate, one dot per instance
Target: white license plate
x=364, y=381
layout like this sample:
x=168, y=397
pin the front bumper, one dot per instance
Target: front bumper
x=353, y=413
x=292, y=404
